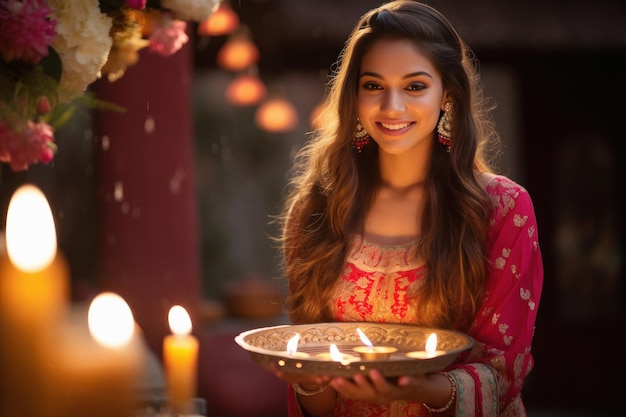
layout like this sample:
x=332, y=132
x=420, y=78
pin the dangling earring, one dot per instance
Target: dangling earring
x=444, y=127
x=361, y=138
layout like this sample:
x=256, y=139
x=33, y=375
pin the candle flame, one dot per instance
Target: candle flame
x=292, y=344
x=31, y=239
x=110, y=320
x=364, y=338
x=180, y=323
x=335, y=354
x=431, y=343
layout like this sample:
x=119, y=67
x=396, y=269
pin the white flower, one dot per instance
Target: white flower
x=83, y=43
x=196, y=10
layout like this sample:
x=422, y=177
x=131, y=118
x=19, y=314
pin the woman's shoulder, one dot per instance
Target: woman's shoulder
x=496, y=184
x=505, y=193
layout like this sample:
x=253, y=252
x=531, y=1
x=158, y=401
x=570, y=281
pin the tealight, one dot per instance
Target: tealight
x=292, y=348
x=374, y=353
x=430, y=349
x=335, y=355
x=369, y=352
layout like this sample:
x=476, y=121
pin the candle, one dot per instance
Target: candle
x=335, y=355
x=292, y=348
x=430, y=349
x=180, y=359
x=369, y=352
x=33, y=295
x=99, y=360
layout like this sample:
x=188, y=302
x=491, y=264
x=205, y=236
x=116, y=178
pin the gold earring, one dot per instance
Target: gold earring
x=361, y=138
x=444, y=127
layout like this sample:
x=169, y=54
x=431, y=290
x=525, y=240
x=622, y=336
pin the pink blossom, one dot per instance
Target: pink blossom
x=26, y=31
x=43, y=105
x=34, y=143
x=136, y=4
x=168, y=38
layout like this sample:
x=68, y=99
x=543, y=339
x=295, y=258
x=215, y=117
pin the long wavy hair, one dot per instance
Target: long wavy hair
x=332, y=187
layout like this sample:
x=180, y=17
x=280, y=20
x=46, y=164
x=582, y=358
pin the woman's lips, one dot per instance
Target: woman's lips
x=395, y=128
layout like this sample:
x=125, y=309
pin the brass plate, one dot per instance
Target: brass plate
x=268, y=347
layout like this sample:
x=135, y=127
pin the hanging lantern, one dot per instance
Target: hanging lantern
x=276, y=115
x=245, y=90
x=222, y=22
x=237, y=54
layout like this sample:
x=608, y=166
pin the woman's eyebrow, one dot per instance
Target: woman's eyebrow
x=411, y=75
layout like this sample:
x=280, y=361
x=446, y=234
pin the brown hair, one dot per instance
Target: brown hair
x=332, y=186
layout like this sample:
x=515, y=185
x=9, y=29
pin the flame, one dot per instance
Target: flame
x=180, y=323
x=335, y=354
x=431, y=343
x=110, y=320
x=364, y=338
x=292, y=344
x=30, y=233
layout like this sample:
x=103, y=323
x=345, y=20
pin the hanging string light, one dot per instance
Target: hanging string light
x=238, y=53
x=245, y=90
x=222, y=22
x=276, y=115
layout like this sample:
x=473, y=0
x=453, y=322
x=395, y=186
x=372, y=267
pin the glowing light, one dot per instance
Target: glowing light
x=222, y=22
x=30, y=235
x=431, y=344
x=364, y=338
x=245, y=90
x=238, y=54
x=110, y=320
x=276, y=115
x=292, y=344
x=179, y=321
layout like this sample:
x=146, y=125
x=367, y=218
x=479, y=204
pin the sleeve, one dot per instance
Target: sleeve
x=491, y=379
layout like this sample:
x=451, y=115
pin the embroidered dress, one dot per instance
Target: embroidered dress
x=377, y=279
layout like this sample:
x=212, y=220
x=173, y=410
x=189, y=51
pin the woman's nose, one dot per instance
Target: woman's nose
x=393, y=102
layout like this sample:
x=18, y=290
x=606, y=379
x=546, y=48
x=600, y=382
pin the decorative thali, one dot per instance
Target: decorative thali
x=269, y=348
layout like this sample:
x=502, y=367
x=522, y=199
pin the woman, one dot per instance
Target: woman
x=395, y=216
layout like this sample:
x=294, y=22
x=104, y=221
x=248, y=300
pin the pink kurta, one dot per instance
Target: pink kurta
x=374, y=287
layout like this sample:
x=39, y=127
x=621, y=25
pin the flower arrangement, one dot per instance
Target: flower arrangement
x=52, y=50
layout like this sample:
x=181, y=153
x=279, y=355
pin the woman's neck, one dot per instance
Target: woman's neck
x=404, y=171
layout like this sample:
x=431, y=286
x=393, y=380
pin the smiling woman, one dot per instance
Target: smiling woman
x=394, y=216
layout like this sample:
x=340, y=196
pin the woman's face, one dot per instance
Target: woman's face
x=399, y=97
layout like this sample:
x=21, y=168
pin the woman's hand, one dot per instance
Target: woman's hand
x=375, y=388
x=303, y=380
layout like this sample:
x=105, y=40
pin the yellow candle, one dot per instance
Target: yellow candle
x=99, y=361
x=180, y=359
x=33, y=296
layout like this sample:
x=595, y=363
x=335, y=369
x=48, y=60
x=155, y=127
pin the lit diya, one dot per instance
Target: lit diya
x=430, y=349
x=292, y=348
x=369, y=352
x=335, y=355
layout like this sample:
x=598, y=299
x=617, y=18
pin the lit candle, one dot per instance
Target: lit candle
x=99, y=360
x=369, y=352
x=180, y=359
x=292, y=347
x=335, y=355
x=430, y=349
x=33, y=295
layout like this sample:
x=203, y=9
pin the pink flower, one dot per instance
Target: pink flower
x=26, y=31
x=168, y=38
x=136, y=4
x=33, y=144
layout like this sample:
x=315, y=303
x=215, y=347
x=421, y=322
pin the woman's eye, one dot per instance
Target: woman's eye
x=371, y=86
x=416, y=87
